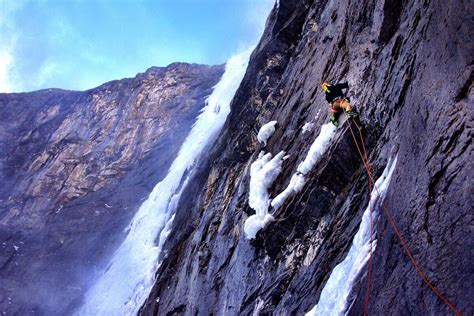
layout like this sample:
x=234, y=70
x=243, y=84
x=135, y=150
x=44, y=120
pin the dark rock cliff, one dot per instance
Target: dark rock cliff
x=75, y=166
x=410, y=68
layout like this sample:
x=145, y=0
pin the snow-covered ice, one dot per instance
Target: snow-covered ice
x=318, y=147
x=296, y=184
x=124, y=286
x=334, y=299
x=263, y=173
x=255, y=223
x=266, y=131
x=307, y=127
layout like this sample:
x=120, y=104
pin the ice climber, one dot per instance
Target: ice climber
x=338, y=101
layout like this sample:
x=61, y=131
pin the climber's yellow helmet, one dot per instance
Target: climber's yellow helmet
x=325, y=86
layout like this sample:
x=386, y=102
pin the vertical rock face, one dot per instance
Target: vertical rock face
x=75, y=166
x=410, y=69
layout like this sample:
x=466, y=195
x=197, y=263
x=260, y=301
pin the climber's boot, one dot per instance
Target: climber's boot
x=352, y=114
x=333, y=120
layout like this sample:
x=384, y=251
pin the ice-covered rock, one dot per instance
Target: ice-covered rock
x=266, y=131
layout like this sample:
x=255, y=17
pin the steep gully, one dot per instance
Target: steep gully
x=409, y=66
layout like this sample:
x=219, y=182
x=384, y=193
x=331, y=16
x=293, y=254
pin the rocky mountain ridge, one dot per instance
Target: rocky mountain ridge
x=75, y=167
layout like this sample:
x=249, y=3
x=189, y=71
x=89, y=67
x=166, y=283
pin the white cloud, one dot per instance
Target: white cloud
x=8, y=38
x=6, y=61
x=258, y=14
x=46, y=68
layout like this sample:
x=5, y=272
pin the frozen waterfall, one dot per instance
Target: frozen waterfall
x=125, y=285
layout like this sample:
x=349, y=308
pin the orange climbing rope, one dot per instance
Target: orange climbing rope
x=390, y=219
x=365, y=160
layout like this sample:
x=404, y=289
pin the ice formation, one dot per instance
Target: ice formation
x=317, y=149
x=263, y=173
x=266, y=131
x=126, y=283
x=334, y=298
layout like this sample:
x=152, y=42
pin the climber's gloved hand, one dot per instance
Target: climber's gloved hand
x=333, y=120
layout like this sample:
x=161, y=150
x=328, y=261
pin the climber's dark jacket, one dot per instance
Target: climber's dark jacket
x=335, y=91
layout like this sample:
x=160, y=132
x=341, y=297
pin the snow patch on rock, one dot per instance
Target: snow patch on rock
x=317, y=149
x=296, y=184
x=263, y=173
x=255, y=223
x=319, y=146
x=265, y=132
x=307, y=127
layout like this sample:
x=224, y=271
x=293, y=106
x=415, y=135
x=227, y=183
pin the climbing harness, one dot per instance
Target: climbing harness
x=365, y=160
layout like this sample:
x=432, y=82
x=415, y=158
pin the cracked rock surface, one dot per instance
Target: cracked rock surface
x=410, y=69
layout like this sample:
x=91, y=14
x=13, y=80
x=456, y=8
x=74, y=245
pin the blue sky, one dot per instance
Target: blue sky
x=79, y=44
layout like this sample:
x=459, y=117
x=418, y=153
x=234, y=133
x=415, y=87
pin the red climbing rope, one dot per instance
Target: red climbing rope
x=365, y=160
x=369, y=169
